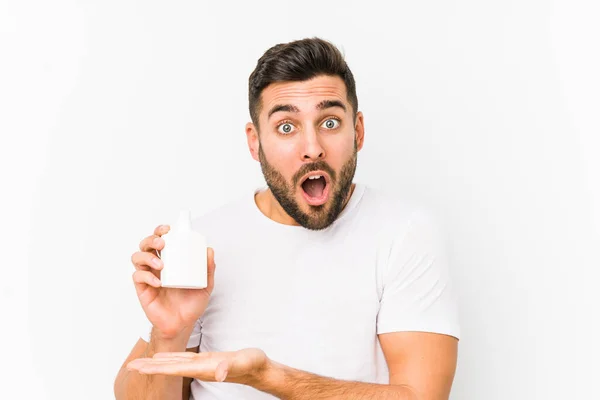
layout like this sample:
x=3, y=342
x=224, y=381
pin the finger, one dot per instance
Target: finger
x=221, y=371
x=186, y=368
x=138, y=362
x=143, y=279
x=208, y=358
x=152, y=243
x=214, y=357
x=161, y=230
x=182, y=354
x=237, y=363
x=144, y=261
x=141, y=362
x=144, y=363
x=210, y=280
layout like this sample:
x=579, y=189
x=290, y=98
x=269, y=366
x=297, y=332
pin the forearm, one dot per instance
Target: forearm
x=289, y=383
x=132, y=385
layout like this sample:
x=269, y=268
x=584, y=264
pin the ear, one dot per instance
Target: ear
x=359, y=128
x=253, y=140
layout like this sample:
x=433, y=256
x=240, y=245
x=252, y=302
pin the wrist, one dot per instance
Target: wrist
x=270, y=378
x=175, y=342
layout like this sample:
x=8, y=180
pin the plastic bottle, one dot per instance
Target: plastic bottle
x=184, y=256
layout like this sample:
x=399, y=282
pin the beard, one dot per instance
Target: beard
x=318, y=217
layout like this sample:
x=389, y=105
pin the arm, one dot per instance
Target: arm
x=130, y=385
x=424, y=361
x=421, y=367
x=289, y=383
x=252, y=367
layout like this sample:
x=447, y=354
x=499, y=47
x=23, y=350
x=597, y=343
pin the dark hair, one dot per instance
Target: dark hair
x=299, y=60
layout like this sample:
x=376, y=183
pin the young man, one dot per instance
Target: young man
x=325, y=288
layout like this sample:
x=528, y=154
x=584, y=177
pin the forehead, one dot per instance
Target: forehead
x=304, y=94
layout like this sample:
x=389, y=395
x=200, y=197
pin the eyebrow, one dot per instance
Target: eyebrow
x=292, y=108
x=330, y=104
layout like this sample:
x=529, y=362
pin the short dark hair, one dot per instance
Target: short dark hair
x=299, y=60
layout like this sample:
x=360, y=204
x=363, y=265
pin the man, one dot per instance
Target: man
x=325, y=288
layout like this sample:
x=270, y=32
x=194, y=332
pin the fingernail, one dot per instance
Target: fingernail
x=157, y=282
x=156, y=241
x=156, y=262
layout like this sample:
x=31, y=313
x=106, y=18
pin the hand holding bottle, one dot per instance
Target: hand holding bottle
x=172, y=311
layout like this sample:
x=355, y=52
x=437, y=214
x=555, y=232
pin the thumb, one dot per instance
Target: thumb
x=210, y=281
x=221, y=371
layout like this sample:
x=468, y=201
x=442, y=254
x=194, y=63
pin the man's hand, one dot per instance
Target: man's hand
x=245, y=366
x=252, y=367
x=172, y=312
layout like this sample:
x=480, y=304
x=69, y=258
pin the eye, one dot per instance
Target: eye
x=331, y=123
x=285, y=128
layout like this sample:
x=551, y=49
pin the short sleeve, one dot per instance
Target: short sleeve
x=418, y=294
x=193, y=341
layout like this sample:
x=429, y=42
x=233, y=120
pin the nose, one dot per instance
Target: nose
x=312, y=149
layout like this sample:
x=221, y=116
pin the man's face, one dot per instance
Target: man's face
x=308, y=148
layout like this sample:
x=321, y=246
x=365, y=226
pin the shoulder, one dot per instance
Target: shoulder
x=394, y=214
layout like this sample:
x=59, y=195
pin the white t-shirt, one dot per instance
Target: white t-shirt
x=316, y=300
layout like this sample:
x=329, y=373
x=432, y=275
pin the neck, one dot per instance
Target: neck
x=270, y=207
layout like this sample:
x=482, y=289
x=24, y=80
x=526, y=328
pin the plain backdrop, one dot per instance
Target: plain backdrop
x=116, y=114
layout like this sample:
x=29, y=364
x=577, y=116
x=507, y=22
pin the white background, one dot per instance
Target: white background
x=116, y=114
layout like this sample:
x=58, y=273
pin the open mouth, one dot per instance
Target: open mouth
x=315, y=188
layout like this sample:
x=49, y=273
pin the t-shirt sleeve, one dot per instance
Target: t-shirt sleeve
x=193, y=341
x=418, y=294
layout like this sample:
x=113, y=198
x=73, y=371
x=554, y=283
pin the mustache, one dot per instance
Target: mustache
x=316, y=166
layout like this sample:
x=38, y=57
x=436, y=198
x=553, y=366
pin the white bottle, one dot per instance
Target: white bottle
x=184, y=256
